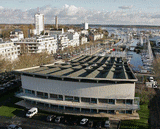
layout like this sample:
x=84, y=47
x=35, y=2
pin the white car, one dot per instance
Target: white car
x=14, y=127
x=107, y=124
x=84, y=121
x=151, y=79
x=32, y=112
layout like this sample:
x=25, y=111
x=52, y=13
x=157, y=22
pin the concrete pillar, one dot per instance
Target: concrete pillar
x=49, y=95
x=63, y=97
x=97, y=101
x=49, y=105
x=115, y=101
x=80, y=109
x=79, y=99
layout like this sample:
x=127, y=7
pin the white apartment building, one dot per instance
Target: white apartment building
x=63, y=42
x=83, y=40
x=96, y=36
x=9, y=51
x=85, y=32
x=85, y=26
x=39, y=23
x=38, y=45
x=74, y=39
x=16, y=35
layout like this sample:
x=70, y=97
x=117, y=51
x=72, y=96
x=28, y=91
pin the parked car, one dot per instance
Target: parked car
x=99, y=125
x=58, y=119
x=32, y=112
x=151, y=79
x=51, y=117
x=107, y=124
x=13, y=127
x=83, y=121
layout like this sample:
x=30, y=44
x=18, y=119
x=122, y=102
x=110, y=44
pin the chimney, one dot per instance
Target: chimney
x=56, y=22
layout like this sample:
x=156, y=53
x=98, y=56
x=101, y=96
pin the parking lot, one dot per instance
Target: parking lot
x=39, y=121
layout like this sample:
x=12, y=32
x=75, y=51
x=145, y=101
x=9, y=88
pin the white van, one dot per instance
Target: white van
x=32, y=112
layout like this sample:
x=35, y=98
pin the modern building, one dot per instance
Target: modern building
x=63, y=42
x=74, y=39
x=16, y=35
x=38, y=45
x=83, y=40
x=9, y=51
x=85, y=26
x=87, y=84
x=39, y=23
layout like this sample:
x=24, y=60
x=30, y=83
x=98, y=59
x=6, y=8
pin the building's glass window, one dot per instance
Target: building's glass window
x=60, y=97
x=77, y=109
x=54, y=96
x=61, y=107
x=69, y=108
x=103, y=101
x=122, y=112
x=129, y=101
x=120, y=101
x=45, y=95
x=93, y=100
x=128, y=111
x=111, y=111
x=85, y=110
x=102, y=111
x=28, y=91
x=111, y=101
x=93, y=110
x=39, y=94
x=54, y=106
x=86, y=100
x=76, y=99
x=68, y=98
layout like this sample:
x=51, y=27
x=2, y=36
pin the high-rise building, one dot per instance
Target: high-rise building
x=39, y=23
x=85, y=26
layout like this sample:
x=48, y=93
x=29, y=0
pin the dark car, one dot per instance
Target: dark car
x=51, y=117
x=99, y=125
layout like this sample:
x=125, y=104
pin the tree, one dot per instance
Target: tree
x=25, y=29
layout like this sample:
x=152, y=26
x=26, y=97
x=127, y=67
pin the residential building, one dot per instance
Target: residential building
x=16, y=35
x=85, y=85
x=63, y=42
x=9, y=51
x=39, y=23
x=38, y=45
x=54, y=32
x=74, y=39
x=95, y=36
x=83, y=40
x=85, y=26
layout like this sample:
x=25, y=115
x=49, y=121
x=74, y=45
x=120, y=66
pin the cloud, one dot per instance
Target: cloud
x=70, y=14
x=125, y=7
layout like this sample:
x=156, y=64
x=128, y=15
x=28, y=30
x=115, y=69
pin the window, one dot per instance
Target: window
x=86, y=100
x=111, y=101
x=129, y=101
x=68, y=98
x=76, y=99
x=54, y=96
x=93, y=100
x=29, y=92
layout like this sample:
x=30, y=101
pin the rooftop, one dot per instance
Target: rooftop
x=86, y=68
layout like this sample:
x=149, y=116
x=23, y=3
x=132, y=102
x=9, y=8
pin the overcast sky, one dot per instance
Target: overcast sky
x=126, y=12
